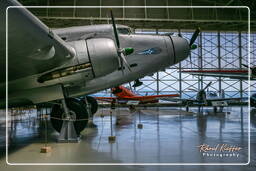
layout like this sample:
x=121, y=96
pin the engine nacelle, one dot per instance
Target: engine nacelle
x=103, y=55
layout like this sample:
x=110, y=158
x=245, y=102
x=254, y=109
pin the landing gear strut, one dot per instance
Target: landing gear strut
x=91, y=106
x=69, y=118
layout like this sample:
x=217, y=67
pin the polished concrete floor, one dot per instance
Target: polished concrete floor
x=168, y=136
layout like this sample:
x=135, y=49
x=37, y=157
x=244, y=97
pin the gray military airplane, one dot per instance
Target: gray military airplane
x=242, y=74
x=58, y=65
x=206, y=98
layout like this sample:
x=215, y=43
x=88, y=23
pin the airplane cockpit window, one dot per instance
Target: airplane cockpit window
x=124, y=30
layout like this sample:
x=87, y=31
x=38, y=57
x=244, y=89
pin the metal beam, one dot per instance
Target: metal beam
x=211, y=25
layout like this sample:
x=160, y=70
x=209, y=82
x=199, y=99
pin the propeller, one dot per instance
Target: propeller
x=122, y=52
x=253, y=69
x=192, y=41
x=246, y=66
x=207, y=85
x=137, y=83
x=179, y=34
x=116, y=90
x=130, y=86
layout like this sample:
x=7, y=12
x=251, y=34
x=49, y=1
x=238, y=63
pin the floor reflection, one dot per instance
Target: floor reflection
x=168, y=135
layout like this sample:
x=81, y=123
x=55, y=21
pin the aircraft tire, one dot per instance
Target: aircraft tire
x=76, y=107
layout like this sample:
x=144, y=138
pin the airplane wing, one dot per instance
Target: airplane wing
x=153, y=97
x=184, y=101
x=139, y=98
x=106, y=99
x=236, y=74
x=228, y=99
x=34, y=47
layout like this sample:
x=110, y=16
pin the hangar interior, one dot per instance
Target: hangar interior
x=223, y=42
x=168, y=134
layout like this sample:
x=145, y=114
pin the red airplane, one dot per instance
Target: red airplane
x=123, y=95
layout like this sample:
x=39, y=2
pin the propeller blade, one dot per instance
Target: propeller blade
x=137, y=83
x=121, y=63
x=207, y=86
x=115, y=30
x=122, y=58
x=130, y=86
x=246, y=66
x=194, y=36
x=253, y=69
x=179, y=34
x=190, y=59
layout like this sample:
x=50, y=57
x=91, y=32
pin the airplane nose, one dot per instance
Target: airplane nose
x=181, y=48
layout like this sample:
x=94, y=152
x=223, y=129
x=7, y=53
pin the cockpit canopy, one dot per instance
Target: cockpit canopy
x=124, y=30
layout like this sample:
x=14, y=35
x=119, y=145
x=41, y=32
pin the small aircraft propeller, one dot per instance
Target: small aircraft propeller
x=246, y=66
x=179, y=33
x=207, y=85
x=253, y=69
x=203, y=93
x=137, y=83
x=116, y=90
x=122, y=52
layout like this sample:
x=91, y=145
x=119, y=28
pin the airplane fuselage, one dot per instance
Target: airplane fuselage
x=90, y=70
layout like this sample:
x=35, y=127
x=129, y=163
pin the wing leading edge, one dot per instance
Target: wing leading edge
x=32, y=47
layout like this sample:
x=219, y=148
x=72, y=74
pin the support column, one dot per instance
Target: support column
x=100, y=8
x=167, y=9
x=180, y=78
x=145, y=9
x=200, y=60
x=123, y=9
x=240, y=61
x=47, y=9
x=74, y=9
x=219, y=60
x=157, y=76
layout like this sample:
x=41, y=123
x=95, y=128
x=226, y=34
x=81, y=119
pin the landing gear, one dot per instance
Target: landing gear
x=187, y=105
x=187, y=108
x=215, y=109
x=91, y=105
x=93, y=102
x=77, y=114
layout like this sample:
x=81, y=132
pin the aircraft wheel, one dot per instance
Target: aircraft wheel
x=252, y=102
x=77, y=113
x=93, y=102
x=215, y=109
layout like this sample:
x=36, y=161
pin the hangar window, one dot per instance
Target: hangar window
x=124, y=30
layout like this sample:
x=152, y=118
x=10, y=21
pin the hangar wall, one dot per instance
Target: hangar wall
x=216, y=49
